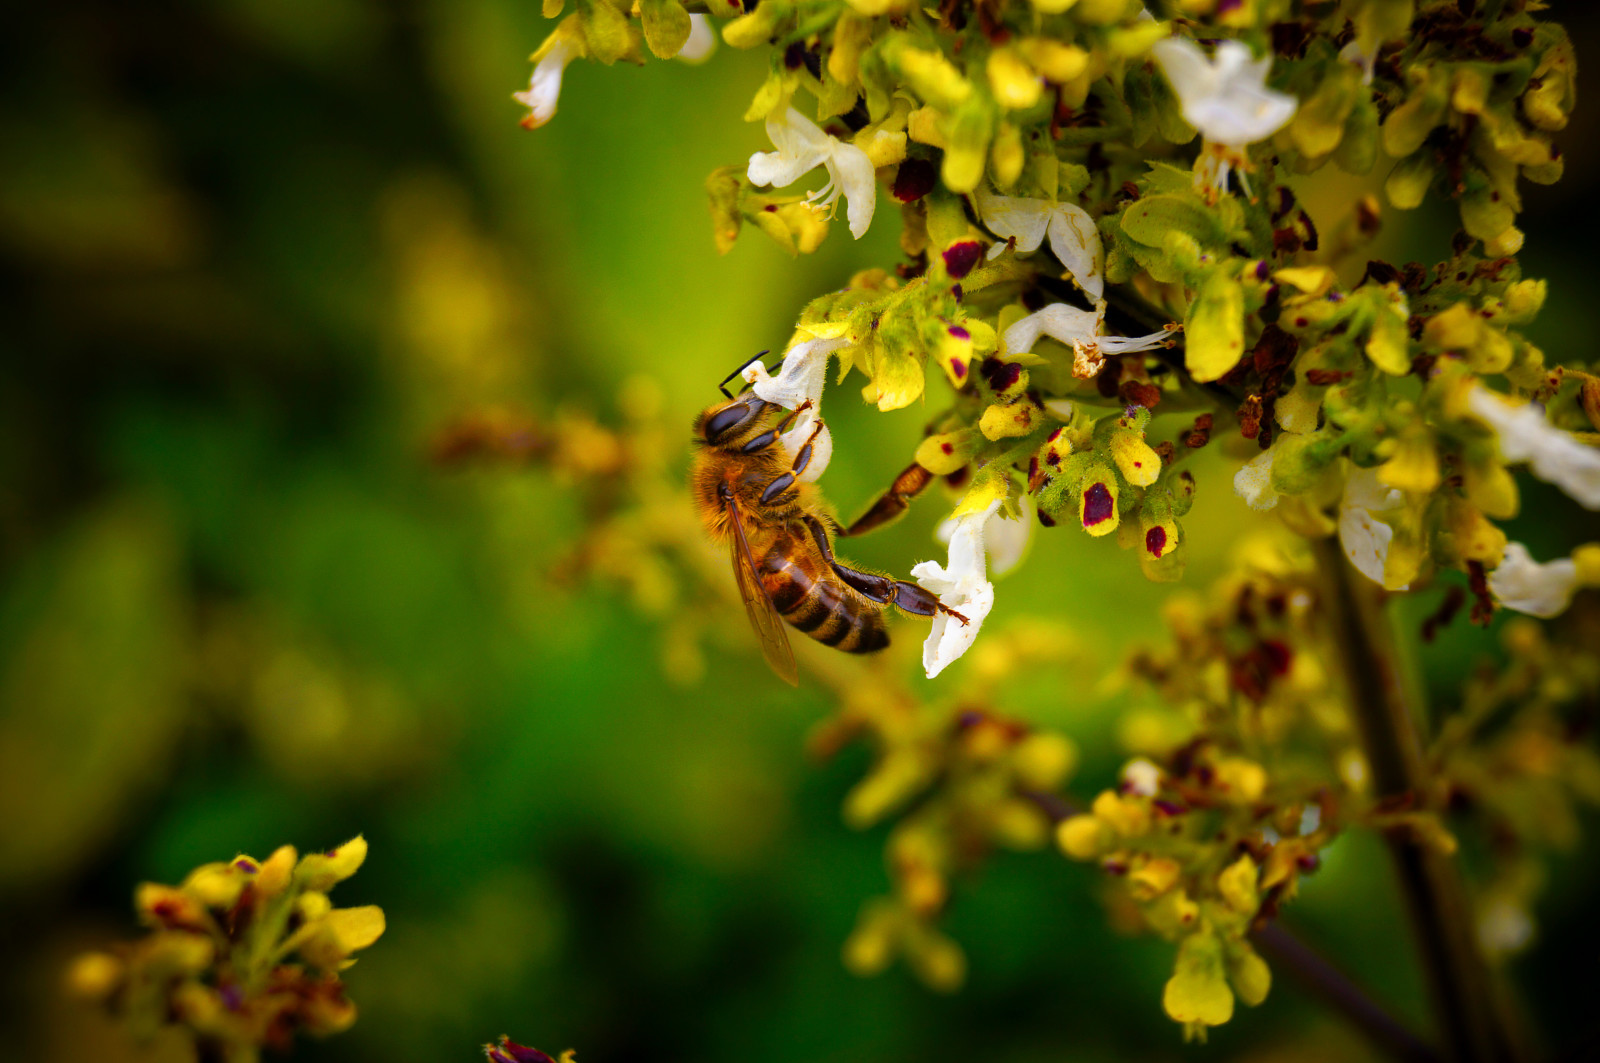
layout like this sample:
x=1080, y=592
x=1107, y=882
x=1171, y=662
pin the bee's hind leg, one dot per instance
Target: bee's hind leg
x=908, y=596
x=893, y=502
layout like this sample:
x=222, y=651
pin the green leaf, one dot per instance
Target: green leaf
x=1148, y=220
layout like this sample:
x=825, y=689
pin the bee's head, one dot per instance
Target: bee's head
x=732, y=420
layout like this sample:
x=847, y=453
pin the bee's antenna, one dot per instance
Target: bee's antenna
x=723, y=387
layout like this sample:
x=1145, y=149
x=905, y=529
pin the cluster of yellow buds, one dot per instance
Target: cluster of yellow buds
x=241, y=955
x=964, y=780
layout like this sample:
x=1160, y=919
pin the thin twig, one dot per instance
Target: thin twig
x=1325, y=981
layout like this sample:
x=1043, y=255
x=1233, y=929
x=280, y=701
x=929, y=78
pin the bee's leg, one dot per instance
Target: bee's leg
x=907, y=596
x=770, y=436
x=782, y=483
x=894, y=501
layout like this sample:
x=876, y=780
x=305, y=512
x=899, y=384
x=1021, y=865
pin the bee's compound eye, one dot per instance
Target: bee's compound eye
x=727, y=419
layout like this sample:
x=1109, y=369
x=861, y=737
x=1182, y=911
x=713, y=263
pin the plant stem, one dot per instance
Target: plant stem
x=1322, y=979
x=1471, y=1014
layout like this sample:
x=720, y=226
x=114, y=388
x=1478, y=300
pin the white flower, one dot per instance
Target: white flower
x=801, y=377
x=1005, y=539
x=1554, y=456
x=544, y=87
x=1521, y=583
x=1142, y=777
x=1079, y=329
x=1363, y=532
x=802, y=147
x=1352, y=53
x=1074, y=240
x=1253, y=482
x=964, y=586
x=702, y=40
x=1226, y=99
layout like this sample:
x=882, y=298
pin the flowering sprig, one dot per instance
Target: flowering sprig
x=241, y=955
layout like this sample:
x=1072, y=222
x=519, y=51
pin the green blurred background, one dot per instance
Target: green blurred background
x=254, y=255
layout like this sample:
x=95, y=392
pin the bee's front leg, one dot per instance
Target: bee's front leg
x=782, y=483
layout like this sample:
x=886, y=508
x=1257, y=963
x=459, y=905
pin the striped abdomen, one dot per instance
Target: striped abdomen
x=813, y=600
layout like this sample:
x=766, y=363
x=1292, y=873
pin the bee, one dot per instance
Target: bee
x=780, y=535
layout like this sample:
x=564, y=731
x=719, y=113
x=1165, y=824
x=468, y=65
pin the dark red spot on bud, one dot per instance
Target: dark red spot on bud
x=956, y=292
x=959, y=368
x=1054, y=435
x=914, y=179
x=1046, y=519
x=1033, y=467
x=1098, y=505
x=1522, y=36
x=1155, y=540
x=947, y=448
x=959, y=333
x=247, y=865
x=961, y=256
x=1052, y=458
x=1278, y=656
x=1167, y=808
x=1000, y=375
x=794, y=56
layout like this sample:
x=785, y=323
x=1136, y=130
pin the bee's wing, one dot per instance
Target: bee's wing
x=758, y=605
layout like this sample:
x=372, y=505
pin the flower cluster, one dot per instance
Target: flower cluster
x=508, y=1051
x=963, y=779
x=1387, y=411
x=240, y=955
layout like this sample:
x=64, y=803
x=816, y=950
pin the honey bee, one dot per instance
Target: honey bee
x=780, y=535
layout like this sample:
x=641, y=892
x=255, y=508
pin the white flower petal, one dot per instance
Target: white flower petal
x=1553, y=455
x=1352, y=53
x=852, y=174
x=964, y=586
x=1014, y=217
x=802, y=376
x=1523, y=584
x=1005, y=539
x=1227, y=98
x=802, y=147
x=544, y=87
x=1142, y=777
x=1363, y=534
x=1074, y=240
x=1253, y=482
x=702, y=40
x=1076, y=243
x=1059, y=321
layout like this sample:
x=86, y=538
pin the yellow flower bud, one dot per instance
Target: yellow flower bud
x=1129, y=816
x=1415, y=464
x=1243, y=780
x=1007, y=422
x=1043, y=760
x=1006, y=156
x=94, y=975
x=1138, y=463
x=1057, y=62
x=1237, y=884
x=1153, y=877
x=1198, y=990
x=1587, y=560
x=1015, y=84
x=1249, y=973
x=1083, y=837
x=276, y=871
x=946, y=452
x=322, y=871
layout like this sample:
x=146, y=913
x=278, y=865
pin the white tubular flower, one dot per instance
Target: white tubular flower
x=1005, y=540
x=1521, y=583
x=801, y=377
x=802, y=147
x=1074, y=240
x=1363, y=532
x=544, y=87
x=964, y=586
x=1253, y=482
x=1553, y=455
x=1352, y=53
x=1226, y=99
x=702, y=40
x=1082, y=330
